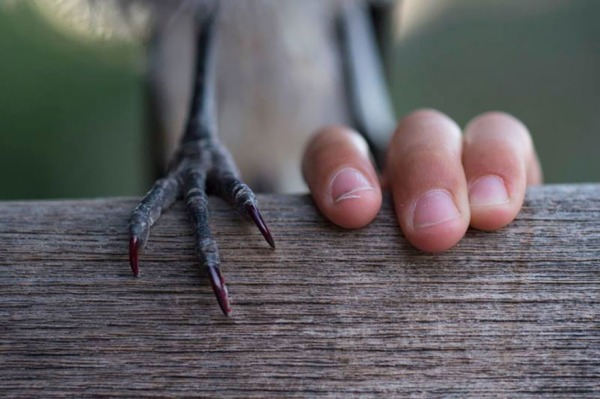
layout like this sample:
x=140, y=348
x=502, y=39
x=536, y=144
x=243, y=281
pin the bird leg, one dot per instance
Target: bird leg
x=201, y=166
x=369, y=101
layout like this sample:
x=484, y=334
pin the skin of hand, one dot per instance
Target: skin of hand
x=441, y=180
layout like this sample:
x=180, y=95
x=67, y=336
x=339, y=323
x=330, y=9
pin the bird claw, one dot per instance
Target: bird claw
x=134, y=255
x=260, y=223
x=217, y=281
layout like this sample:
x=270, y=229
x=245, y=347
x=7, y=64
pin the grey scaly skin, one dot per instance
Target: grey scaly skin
x=203, y=166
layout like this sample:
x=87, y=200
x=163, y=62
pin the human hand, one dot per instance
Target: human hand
x=441, y=181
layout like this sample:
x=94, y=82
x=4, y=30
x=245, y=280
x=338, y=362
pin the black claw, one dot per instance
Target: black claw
x=218, y=285
x=134, y=255
x=260, y=223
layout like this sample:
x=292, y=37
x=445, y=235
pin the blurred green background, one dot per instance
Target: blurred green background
x=71, y=111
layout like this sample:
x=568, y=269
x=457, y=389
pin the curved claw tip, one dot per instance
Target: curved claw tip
x=220, y=289
x=133, y=255
x=260, y=223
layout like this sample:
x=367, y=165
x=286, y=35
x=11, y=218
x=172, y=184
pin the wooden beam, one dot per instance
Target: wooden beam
x=329, y=313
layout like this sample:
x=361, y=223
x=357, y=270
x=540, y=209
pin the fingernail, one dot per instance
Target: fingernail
x=434, y=207
x=488, y=190
x=348, y=183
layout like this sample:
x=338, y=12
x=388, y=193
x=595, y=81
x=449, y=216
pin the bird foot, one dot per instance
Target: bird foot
x=200, y=167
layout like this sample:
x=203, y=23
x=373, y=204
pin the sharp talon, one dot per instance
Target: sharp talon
x=133, y=255
x=218, y=284
x=260, y=223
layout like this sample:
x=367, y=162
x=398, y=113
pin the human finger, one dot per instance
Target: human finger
x=341, y=177
x=426, y=177
x=499, y=161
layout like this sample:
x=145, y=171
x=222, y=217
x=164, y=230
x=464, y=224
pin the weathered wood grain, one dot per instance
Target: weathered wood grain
x=329, y=313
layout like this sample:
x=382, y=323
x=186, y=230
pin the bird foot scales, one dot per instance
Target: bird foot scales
x=200, y=168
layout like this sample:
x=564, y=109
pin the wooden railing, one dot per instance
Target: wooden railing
x=330, y=312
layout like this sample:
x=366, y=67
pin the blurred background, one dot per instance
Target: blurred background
x=71, y=103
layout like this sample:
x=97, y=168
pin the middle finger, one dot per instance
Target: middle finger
x=427, y=180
